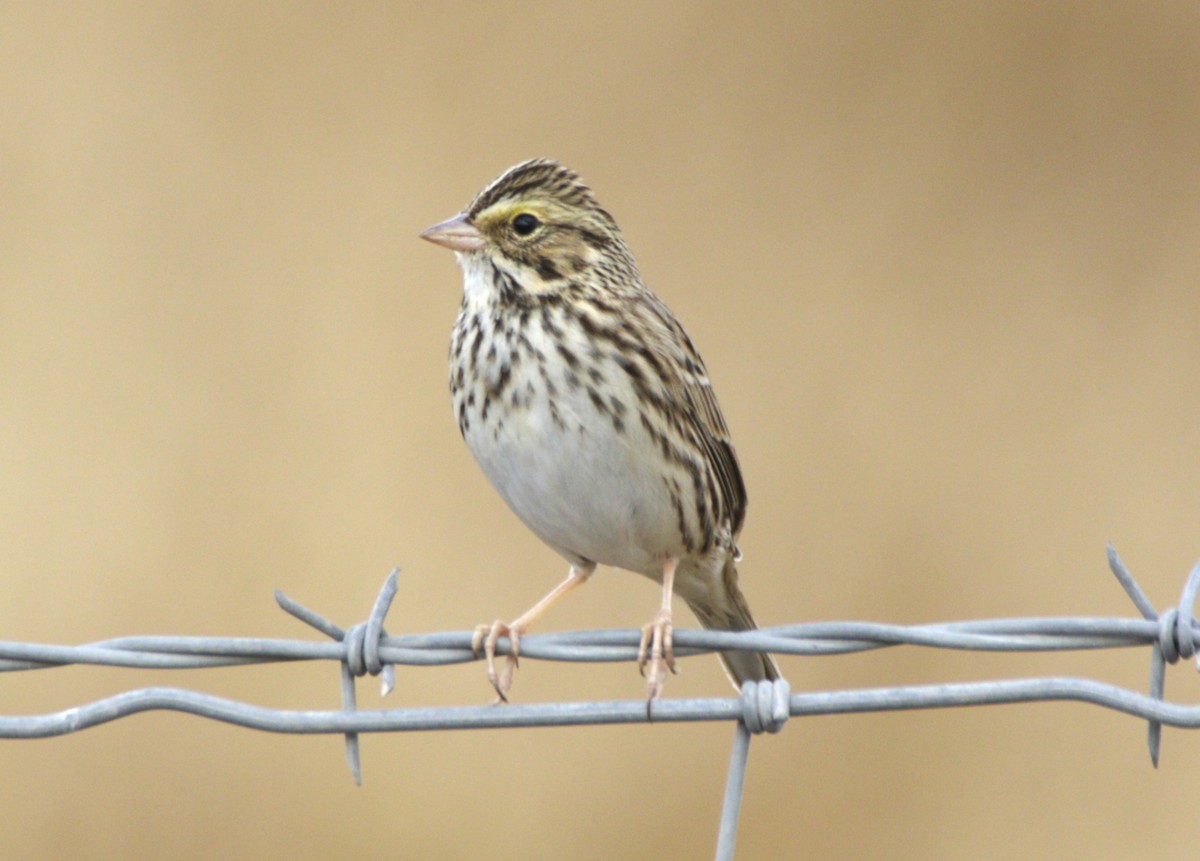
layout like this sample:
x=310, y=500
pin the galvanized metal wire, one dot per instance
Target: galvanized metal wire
x=367, y=649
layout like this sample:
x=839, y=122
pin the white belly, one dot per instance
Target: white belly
x=587, y=491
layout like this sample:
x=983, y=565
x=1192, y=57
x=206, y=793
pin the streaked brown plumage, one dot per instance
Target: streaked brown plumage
x=588, y=408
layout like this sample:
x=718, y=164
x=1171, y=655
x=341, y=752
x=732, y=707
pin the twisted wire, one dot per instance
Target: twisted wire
x=367, y=648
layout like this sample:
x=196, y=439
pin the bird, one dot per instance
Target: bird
x=590, y=411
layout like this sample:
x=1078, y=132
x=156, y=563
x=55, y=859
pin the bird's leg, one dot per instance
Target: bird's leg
x=657, y=649
x=486, y=635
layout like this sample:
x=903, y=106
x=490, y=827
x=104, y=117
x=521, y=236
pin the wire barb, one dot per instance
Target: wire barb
x=1176, y=638
x=362, y=654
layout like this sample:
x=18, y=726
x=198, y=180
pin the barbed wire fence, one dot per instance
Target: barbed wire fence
x=367, y=649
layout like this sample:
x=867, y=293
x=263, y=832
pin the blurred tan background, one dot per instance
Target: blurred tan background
x=944, y=266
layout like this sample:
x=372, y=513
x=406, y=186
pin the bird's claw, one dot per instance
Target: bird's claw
x=485, y=639
x=656, y=654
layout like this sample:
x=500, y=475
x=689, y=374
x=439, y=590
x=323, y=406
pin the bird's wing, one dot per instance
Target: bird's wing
x=703, y=414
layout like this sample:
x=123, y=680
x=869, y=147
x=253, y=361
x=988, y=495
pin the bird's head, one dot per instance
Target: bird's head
x=541, y=228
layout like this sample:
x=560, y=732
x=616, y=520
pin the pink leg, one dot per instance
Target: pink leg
x=487, y=635
x=657, y=649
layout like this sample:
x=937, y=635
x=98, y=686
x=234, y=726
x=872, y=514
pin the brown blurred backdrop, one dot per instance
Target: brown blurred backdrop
x=943, y=263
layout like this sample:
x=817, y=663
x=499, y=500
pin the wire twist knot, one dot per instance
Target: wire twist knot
x=766, y=706
x=1175, y=636
x=362, y=649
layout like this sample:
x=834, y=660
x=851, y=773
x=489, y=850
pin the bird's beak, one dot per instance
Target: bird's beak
x=457, y=234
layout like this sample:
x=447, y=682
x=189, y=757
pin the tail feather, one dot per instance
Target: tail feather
x=733, y=614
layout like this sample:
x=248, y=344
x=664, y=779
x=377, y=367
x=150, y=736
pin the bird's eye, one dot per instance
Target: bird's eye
x=525, y=223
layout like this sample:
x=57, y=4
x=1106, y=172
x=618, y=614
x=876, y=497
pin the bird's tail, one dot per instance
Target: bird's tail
x=733, y=614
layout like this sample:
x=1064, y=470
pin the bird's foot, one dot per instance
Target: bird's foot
x=485, y=639
x=656, y=654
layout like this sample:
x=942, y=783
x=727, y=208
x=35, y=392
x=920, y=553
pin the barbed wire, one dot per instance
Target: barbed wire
x=367, y=649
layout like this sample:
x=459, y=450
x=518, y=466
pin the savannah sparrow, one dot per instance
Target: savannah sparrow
x=589, y=410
